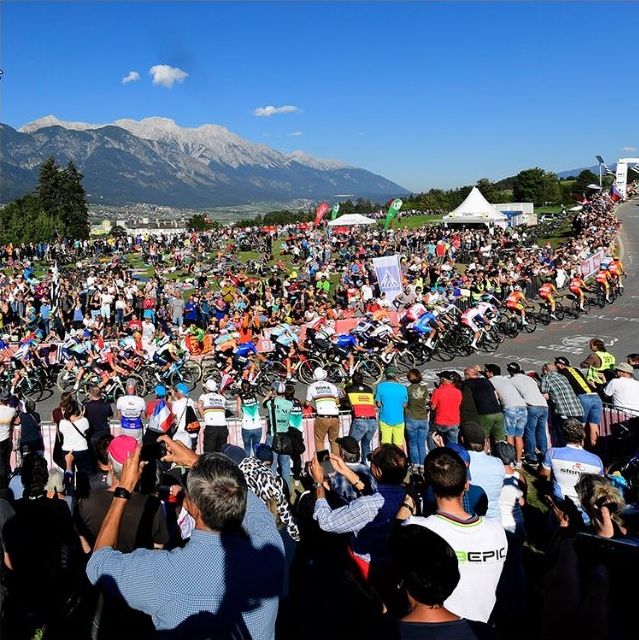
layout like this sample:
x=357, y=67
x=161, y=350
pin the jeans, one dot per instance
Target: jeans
x=284, y=467
x=5, y=466
x=535, y=432
x=250, y=439
x=449, y=434
x=593, y=408
x=416, y=434
x=363, y=430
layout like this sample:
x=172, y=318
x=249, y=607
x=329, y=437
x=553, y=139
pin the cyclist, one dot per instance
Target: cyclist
x=344, y=346
x=603, y=280
x=166, y=354
x=286, y=344
x=516, y=302
x=474, y=320
x=244, y=358
x=426, y=325
x=577, y=286
x=547, y=293
x=615, y=268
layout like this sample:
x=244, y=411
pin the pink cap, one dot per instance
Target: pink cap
x=121, y=448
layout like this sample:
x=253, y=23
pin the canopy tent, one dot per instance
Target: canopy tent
x=476, y=210
x=594, y=187
x=350, y=220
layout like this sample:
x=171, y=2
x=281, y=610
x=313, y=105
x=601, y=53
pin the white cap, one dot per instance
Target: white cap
x=319, y=374
x=210, y=385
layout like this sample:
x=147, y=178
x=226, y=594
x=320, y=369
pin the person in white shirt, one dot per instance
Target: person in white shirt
x=480, y=543
x=212, y=408
x=181, y=401
x=325, y=395
x=624, y=389
x=73, y=430
x=7, y=417
x=131, y=410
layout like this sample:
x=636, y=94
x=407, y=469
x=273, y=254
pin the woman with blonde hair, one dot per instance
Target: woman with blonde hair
x=603, y=503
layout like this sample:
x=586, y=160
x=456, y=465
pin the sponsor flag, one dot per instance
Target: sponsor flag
x=393, y=210
x=334, y=211
x=389, y=275
x=320, y=212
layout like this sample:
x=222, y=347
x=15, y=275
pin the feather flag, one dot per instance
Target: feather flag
x=320, y=212
x=393, y=210
x=335, y=211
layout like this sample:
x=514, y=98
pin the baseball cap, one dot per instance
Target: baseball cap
x=264, y=453
x=234, y=452
x=624, y=367
x=349, y=444
x=472, y=432
x=210, y=385
x=160, y=390
x=121, y=448
x=562, y=360
x=390, y=372
x=446, y=375
x=513, y=367
x=182, y=388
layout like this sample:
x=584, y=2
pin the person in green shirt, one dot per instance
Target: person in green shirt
x=296, y=430
x=416, y=418
x=278, y=413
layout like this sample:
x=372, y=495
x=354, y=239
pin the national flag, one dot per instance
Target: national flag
x=320, y=212
x=393, y=210
x=615, y=194
x=162, y=418
x=335, y=211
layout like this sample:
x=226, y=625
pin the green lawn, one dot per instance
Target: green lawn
x=563, y=232
x=414, y=222
x=554, y=208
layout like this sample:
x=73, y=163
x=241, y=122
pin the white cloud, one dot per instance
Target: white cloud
x=166, y=75
x=628, y=148
x=295, y=133
x=269, y=111
x=132, y=76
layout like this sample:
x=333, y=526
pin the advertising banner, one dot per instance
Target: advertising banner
x=389, y=275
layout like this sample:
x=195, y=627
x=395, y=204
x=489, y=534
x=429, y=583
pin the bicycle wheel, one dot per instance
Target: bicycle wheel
x=306, y=369
x=444, y=349
x=183, y=376
x=30, y=388
x=543, y=316
x=196, y=369
x=336, y=374
x=404, y=361
x=531, y=324
x=65, y=380
x=371, y=371
x=559, y=311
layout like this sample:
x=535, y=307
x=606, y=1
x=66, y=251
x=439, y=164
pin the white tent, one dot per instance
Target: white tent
x=350, y=220
x=476, y=210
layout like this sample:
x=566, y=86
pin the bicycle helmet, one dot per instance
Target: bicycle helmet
x=517, y=288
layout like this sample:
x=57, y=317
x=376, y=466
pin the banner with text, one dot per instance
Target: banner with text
x=590, y=265
x=389, y=275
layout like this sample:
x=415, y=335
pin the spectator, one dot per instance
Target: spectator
x=325, y=396
x=391, y=398
x=445, y=402
x=468, y=534
x=360, y=399
x=212, y=408
x=564, y=402
x=131, y=410
x=248, y=410
x=7, y=420
x=624, y=389
x=416, y=417
x=344, y=485
x=278, y=410
x=234, y=537
x=600, y=364
x=563, y=465
x=429, y=569
x=74, y=429
x=590, y=401
x=514, y=408
x=485, y=398
x=486, y=471
x=179, y=404
x=98, y=412
x=30, y=429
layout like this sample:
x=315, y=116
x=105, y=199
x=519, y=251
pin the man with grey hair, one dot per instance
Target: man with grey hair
x=131, y=410
x=227, y=580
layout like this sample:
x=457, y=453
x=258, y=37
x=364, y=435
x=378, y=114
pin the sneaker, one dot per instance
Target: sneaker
x=524, y=323
x=517, y=465
x=473, y=344
x=530, y=461
x=553, y=316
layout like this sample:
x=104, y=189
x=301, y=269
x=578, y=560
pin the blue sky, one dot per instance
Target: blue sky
x=424, y=94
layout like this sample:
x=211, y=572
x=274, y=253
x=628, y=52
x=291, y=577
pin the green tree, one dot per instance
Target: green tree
x=74, y=211
x=537, y=186
x=49, y=189
x=585, y=178
x=197, y=222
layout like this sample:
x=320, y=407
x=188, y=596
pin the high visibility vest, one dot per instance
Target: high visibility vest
x=595, y=374
x=578, y=378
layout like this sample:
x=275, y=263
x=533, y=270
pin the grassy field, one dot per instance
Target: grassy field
x=554, y=208
x=414, y=222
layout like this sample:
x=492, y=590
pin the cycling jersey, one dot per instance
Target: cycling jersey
x=346, y=341
x=131, y=409
x=415, y=311
x=424, y=324
x=214, y=408
x=383, y=331
x=576, y=283
x=546, y=290
x=515, y=298
x=487, y=309
x=286, y=338
x=602, y=277
x=245, y=349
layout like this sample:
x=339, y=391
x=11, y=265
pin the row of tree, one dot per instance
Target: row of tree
x=57, y=209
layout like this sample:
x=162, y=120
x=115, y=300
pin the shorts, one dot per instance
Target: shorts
x=514, y=306
x=593, y=408
x=515, y=419
x=547, y=298
x=391, y=433
x=493, y=426
x=282, y=350
x=471, y=324
x=576, y=290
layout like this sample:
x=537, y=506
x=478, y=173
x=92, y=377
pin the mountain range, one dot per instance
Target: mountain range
x=156, y=161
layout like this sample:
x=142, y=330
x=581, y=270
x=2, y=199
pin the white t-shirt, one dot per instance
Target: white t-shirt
x=7, y=414
x=624, y=393
x=325, y=396
x=512, y=517
x=481, y=547
x=71, y=439
x=179, y=411
x=214, y=409
x=131, y=409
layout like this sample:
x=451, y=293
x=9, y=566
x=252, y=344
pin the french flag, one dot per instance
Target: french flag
x=162, y=418
x=615, y=194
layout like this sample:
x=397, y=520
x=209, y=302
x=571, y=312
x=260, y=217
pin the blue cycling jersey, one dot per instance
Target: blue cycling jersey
x=423, y=325
x=346, y=341
x=245, y=349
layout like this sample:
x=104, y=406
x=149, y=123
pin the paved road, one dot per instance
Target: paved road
x=617, y=324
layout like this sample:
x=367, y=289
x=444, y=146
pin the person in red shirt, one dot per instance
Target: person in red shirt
x=445, y=403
